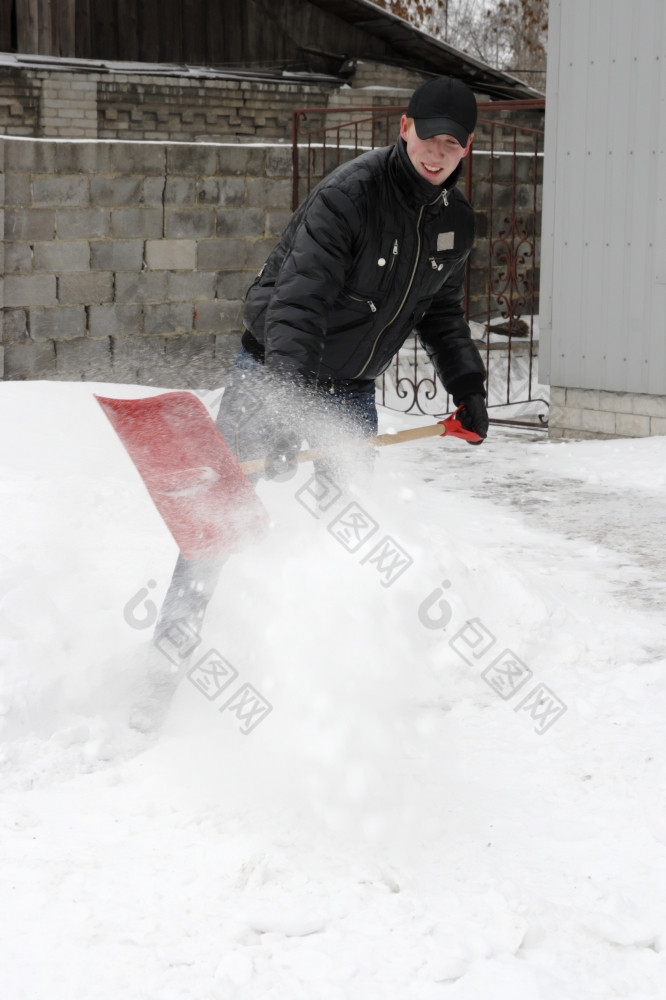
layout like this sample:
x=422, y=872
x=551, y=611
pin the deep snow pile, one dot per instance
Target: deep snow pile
x=455, y=788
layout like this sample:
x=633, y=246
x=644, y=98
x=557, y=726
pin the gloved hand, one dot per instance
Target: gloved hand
x=283, y=446
x=474, y=415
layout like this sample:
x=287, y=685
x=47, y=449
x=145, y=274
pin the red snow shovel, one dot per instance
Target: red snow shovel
x=191, y=474
x=194, y=480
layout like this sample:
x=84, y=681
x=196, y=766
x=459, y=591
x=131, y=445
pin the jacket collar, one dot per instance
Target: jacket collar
x=414, y=190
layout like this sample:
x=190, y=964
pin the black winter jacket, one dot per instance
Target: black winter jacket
x=374, y=252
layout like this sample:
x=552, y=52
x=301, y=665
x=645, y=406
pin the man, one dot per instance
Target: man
x=378, y=249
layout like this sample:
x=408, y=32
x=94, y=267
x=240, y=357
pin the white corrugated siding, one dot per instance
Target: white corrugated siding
x=603, y=267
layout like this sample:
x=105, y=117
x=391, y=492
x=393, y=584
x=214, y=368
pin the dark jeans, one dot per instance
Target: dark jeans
x=242, y=422
x=245, y=426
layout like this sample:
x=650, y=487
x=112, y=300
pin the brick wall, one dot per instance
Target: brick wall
x=61, y=103
x=128, y=262
x=68, y=106
x=196, y=110
x=20, y=96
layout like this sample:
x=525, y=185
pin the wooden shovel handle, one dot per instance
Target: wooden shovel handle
x=379, y=441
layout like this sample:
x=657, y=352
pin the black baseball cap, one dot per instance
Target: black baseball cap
x=443, y=106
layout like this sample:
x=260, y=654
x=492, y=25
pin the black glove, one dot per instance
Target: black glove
x=283, y=447
x=474, y=415
x=288, y=401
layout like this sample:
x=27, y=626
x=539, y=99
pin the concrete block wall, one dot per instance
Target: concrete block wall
x=128, y=262
x=597, y=413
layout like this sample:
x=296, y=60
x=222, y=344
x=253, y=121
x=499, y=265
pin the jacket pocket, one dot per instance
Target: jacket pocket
x=357, y=302
x=375, y=267
x=443, y=261
x=438, y=269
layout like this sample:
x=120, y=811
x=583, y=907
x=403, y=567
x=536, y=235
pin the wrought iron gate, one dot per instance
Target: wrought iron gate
x=503, y=180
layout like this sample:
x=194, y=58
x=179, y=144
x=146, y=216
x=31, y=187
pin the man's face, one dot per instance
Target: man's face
x=433, y=159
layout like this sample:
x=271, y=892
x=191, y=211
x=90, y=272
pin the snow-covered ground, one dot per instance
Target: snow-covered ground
x=453, y=784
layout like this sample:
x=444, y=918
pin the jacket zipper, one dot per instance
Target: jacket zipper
x=394, y=254
x=395, y=315
x=359, y=298
x=404, y=298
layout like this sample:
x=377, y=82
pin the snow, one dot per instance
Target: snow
x=405, y=822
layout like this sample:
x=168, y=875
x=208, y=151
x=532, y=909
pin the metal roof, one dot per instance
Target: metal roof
x=414, y=47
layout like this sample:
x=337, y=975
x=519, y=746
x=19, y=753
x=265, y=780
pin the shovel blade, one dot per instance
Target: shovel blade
x=192, y=477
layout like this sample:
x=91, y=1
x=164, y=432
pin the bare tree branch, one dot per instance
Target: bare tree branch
x=507, y=34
